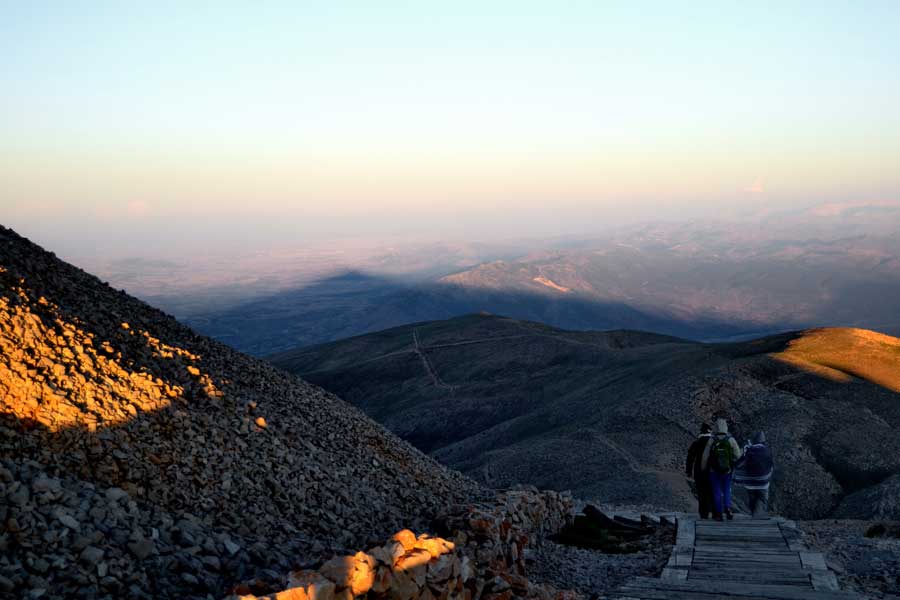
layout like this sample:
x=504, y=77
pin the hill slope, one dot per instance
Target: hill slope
x=110, y=406
x=610, y=414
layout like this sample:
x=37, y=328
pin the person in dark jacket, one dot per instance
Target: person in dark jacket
x=693, y=468
x=754, y=473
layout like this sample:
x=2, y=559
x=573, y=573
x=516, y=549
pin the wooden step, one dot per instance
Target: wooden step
x=738, y=560
x=656, y=589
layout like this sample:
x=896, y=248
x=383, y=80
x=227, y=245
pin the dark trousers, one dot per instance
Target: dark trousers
x=721, y=488
x=704, y=495
x=759, y=503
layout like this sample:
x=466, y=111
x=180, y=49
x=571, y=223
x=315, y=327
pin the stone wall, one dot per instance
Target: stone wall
x=480, y=556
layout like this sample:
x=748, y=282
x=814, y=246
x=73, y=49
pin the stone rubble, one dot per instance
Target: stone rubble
x=141, y=460
x=865, y=559
x=181, y=463
x=481, y=557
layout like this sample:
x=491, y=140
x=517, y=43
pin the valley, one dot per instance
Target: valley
x=610, y=414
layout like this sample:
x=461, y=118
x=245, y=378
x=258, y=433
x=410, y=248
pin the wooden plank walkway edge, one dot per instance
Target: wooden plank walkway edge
x=683, y=552
x=743, y=559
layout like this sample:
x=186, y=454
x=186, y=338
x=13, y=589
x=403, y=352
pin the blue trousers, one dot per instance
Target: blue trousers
x=721, y=491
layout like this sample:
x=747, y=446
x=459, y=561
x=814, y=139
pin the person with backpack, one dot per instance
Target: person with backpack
x=754, y=473
x=693, y=468
x=720, y=456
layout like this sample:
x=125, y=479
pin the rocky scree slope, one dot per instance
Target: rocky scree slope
x=163, y=461
x=610, y=415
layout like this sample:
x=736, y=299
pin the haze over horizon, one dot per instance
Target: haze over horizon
x=134, y=130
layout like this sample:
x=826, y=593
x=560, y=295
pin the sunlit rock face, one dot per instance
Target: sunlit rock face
x=55, y=376
x=843, y=353
x=104, y=392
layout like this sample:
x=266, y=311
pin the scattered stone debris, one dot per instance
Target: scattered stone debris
x=865, y=556
x=594, y=530
x=483, y=558
x=882, y=529
x=597, y=553
x=142, y=455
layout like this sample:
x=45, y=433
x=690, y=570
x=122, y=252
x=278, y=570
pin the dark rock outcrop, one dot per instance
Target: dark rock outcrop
x=881, y=501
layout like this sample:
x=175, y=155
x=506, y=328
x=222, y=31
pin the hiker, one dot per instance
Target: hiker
x=719, y=457
x=754, y=472
x=693, y=468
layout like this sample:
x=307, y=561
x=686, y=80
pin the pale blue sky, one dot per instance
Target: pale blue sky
x=335, y=117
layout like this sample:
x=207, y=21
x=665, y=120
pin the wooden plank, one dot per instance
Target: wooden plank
x=727, y=589
x=739, y=532
x=732, y=566
x=744, y=522
x=793, y=557
x=739, y=560
x=760, y=578
x=706, y=529
x=779, y=543
x=745, y=548
x=659, y=594
x=740, y=536
x=743, y=575
x=745, y=564
x=743, y=534
x=648, y=594
x=739, y=525
x=723, y=574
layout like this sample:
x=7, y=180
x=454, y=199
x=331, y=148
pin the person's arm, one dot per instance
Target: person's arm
x=705, y=460
x=738, y=453
x=691, y=459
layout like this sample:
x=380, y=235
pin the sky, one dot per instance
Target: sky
x=137, y=127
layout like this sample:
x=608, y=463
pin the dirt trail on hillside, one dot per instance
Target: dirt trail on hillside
x=673, y=478
x=429, y=368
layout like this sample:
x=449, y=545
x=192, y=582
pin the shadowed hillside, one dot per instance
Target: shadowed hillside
x=355, y=303
x=610, y=414
x=124, y=437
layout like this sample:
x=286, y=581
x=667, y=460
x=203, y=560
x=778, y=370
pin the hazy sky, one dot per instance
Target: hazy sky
x=504, y=118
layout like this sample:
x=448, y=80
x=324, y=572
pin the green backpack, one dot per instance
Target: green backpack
x=721, y=455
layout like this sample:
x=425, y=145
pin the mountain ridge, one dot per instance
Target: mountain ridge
x=603, y=412
x=105, y=398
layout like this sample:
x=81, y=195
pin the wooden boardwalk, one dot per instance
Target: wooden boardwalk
x=744, y=559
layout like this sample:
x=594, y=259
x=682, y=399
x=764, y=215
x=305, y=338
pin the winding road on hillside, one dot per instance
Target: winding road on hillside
x=674, y=479
x=429, y=368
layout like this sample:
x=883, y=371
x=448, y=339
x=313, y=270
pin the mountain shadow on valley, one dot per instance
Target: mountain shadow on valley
x=355, y=303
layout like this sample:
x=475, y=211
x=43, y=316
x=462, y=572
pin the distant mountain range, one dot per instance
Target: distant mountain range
x=836, y=264
x=610, y=414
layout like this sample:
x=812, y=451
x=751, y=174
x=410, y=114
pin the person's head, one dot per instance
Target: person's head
x=705, y=428
x=759, y=437
x=721, y=427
